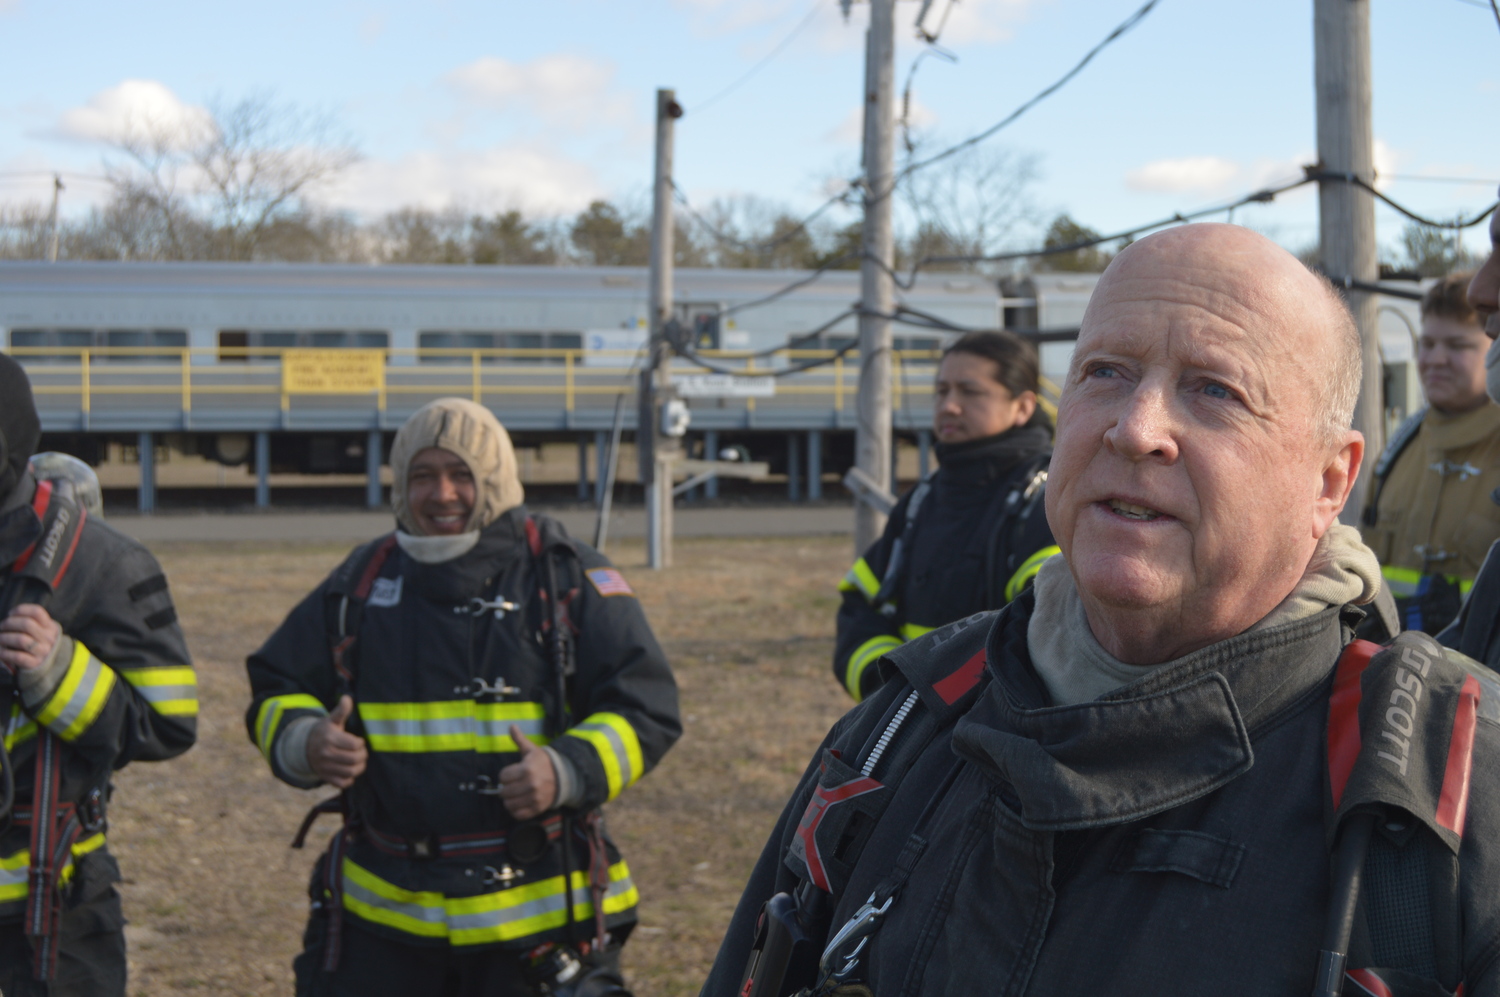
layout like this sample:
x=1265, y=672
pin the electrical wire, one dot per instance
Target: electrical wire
x=764, y=61
x=680, y=195
x=1496, y=8
x=688, y=353
x=794, y=285
x=973, y=140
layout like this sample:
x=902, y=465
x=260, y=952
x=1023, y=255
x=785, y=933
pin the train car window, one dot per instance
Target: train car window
x=28, y=341
x=369, y=340
x=327, y=340
x=134, y=342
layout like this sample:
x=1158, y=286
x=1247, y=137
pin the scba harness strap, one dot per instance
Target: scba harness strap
x=1400, y=737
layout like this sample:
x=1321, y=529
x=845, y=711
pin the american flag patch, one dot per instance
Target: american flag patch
x=609, y=582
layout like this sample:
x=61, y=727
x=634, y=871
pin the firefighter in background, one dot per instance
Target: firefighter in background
x=478, y=684
x=97, y=676
x=972, y=534
x=1429, y=516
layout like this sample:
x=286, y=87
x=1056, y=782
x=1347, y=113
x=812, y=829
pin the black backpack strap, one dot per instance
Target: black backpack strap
x=1400, y=439
x=347, y=595
x=890, y=583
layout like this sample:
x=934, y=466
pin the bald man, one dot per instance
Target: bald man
x=1149, y=774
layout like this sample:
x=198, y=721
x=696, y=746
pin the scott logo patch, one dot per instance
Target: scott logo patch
x=385, y=592
x=609, y=582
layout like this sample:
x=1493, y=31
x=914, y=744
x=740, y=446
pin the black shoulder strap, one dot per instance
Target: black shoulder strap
x=347, y=597
x=891, y=580
x=1400, y=439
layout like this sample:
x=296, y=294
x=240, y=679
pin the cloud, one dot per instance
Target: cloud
x=134, y=109
x=1194, y=173
x=980, y=21
x=571, y=89
x=536, y=179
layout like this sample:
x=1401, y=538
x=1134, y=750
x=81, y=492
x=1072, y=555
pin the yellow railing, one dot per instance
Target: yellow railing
x=197, y=373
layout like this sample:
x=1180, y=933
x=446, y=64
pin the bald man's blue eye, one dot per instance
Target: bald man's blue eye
x=1217, y=391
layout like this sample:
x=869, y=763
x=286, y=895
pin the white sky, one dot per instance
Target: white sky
x=545, y=106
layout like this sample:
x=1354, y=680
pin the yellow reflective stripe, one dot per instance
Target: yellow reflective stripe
x=80, y=696
x=502, y=916
x=19, y=728
x=172, y=692
x=268, y=717
x=618, y=748
x=15, y=869
x=911, y=631
x=869, y=651
x=1403, y=582
x=860, y=578
x=451, y=725
x=1027, y=571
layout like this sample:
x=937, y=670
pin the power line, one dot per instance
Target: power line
x=765, y=60
x=973, y=140
x=842, y=197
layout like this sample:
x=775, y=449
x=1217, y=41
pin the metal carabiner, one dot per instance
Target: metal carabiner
x=482, y=784
x=860, y=926
x=478, y=688
x=479, y=607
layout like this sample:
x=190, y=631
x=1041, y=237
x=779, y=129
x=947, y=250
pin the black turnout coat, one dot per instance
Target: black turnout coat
x=966, y=551
x=1171, y=837
x=128, y=693
x=437, y=682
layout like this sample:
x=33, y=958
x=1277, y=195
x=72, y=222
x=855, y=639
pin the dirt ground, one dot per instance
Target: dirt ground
x=217, y=900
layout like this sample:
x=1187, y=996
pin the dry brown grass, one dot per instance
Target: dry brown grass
x=217, y=900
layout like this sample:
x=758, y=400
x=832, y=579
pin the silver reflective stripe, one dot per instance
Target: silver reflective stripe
x=622, y=756
x=163, y=693
x=417, y=912
x=451, y=726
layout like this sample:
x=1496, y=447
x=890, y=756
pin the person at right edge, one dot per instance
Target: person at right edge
x=1428, y=514
x=478, y=684
x=973, y=533
x=1476, y=631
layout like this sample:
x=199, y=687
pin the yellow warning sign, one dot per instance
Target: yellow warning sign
x=332, y=372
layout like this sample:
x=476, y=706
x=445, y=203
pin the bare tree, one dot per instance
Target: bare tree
x=969, y=204
x=218, y=184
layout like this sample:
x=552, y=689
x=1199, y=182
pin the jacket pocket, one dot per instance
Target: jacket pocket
x=1204, y=857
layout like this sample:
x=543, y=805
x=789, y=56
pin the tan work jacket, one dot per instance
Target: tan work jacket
x=1436, y=515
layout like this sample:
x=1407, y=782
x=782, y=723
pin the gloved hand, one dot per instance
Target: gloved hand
x=27, y=637
x=528, y=787
x=335, y=755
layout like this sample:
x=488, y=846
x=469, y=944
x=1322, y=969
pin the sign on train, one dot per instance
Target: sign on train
x=613, y=347
x=723, y=386
x=332, y=372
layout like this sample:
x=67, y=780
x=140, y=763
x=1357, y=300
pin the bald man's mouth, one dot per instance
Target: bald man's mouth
x=1131, y=511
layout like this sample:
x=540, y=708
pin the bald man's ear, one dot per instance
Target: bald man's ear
x=1337, y=482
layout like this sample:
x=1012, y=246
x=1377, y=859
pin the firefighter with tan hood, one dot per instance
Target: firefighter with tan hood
x=476, y=685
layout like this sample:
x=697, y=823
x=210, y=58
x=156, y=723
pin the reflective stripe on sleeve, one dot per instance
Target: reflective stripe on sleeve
x=172, y=692
x=861, y=579
x=19, y=729
x=1405, y=583
x=450, y=725
x=80, y=696
x=14, y=869
x=502, y=916
x=268, y=719
x=617, y=745
x=1027, y=571
x=911, y=631
x=868, y=652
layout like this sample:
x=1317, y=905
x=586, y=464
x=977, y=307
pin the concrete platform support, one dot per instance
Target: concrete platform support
x=583, y=468
x=814, y=465
x=711, y=452
x=601, y=465
x=374, y=444
x=924, y=452
x=146, y=494
x=262, y=470
x=793, y=468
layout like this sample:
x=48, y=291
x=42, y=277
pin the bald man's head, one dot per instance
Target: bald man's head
x=1298, y=306
x=1203, y=446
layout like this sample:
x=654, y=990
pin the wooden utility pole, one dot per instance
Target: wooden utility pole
x=872, y=443
x=657, y=450
x=1346, y=212
x=57, y=189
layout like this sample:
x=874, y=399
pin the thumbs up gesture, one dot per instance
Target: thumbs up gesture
x=337, y=756
x=528, y=787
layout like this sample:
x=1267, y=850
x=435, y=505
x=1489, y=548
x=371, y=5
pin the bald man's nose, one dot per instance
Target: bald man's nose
x=1145, y=427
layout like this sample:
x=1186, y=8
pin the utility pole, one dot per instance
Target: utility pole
x=1346, y=213
x=872, y=442
x=656, y=450
x=57, y=189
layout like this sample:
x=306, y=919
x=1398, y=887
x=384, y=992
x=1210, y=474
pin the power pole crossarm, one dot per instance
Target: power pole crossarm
x=872, y=446
x=1346, y=212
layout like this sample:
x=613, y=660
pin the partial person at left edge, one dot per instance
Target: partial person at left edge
x=96, y=676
